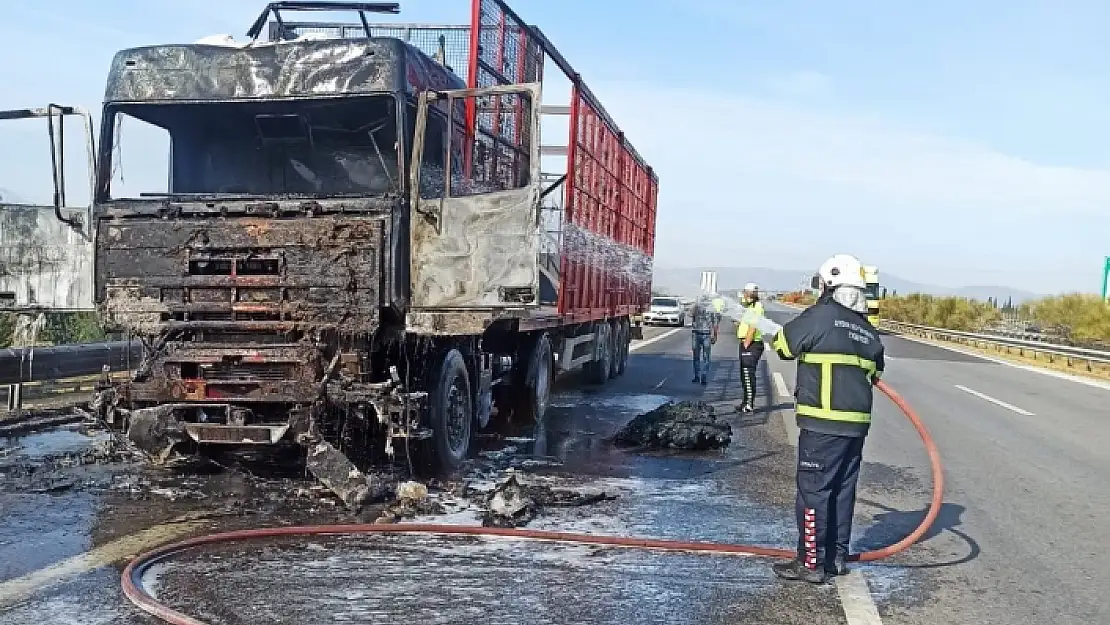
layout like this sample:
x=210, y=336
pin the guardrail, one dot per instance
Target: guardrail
x=46, y=373
x=1051, y=351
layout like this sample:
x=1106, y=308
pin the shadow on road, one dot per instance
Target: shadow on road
x=892, y=525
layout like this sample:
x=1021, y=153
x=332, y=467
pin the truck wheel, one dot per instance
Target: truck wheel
x=616, y=338
x=533, y=393
x=623, y=345
x=597, y=371
x=451, y=413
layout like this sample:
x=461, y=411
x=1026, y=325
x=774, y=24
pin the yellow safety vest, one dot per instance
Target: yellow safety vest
x=719, y=305
x=742, y=328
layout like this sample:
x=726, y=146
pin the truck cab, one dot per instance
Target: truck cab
x=350, y=241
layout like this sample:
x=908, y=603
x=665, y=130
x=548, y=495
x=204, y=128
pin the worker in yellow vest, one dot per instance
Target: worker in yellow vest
x=719, y=307
x=751, y=347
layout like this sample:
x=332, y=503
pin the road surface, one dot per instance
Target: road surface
x=1021, y=537
x=1017, y=542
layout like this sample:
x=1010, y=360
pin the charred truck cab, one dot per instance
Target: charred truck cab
x=355, y=247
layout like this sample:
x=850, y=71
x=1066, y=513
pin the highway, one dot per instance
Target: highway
x=1018, y=541
x=1022, y=534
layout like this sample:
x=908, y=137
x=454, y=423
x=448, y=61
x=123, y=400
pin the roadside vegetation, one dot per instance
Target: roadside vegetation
x=56, y=329
x=799, y=298
x=1078, y=316
x=953, y=313
x=1074, y=317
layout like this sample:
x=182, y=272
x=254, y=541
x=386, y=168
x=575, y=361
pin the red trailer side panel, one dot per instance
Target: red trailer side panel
x=610, y=219
x=608, y=232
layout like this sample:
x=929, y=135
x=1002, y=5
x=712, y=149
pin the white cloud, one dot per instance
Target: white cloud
x=735, y=169
x=746, y=136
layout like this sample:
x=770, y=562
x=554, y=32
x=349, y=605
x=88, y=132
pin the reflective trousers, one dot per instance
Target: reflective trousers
x=828, y=469
x=749, y=362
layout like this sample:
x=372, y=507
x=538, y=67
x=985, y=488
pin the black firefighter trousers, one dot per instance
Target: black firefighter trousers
x=828, y=469
x=749, y=366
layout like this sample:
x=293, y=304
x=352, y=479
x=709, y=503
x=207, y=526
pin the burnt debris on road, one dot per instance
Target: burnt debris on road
x=690, y=425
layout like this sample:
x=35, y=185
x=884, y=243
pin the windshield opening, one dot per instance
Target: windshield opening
x=321, y=148
x=664, y=302
x=872, y=291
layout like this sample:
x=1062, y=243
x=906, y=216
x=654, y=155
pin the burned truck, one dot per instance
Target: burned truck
x=359, y=244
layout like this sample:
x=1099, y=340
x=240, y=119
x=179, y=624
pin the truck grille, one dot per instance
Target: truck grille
x=269, y=371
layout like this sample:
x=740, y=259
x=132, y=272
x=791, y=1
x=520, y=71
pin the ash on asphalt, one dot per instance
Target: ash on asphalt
x=739, y=494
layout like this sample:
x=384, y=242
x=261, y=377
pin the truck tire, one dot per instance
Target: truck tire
x=623, y=345
x=450, y=413
x=533, y=393
x=597, y=371
x=616, y=338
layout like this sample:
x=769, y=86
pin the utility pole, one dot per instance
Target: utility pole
x=1106, y=281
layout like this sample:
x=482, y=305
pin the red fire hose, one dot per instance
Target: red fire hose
x=135, y=591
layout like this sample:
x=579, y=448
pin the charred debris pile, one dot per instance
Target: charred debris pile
x=686, y=425
x=513, y=504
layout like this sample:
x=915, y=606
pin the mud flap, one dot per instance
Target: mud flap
x=156, y=431
x=341, y=476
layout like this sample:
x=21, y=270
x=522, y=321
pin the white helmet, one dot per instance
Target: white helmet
x=842, y=270
x=751, y=287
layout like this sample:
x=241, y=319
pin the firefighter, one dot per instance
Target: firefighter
x=751, y=347
x=705, y=323
x=839, y=358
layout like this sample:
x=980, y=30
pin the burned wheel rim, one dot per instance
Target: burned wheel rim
x=457, y=415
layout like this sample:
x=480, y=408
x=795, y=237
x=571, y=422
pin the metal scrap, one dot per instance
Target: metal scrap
x=339, y=474
x=512, y=504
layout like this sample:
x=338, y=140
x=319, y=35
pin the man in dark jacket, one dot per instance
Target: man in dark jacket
x=839, y=358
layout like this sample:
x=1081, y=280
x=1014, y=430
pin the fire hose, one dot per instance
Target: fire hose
x=132, y=578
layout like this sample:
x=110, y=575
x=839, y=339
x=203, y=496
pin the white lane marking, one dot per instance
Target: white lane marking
x=992, y=400
x=781, y=388
x=998, y=361
x=855, y=597
x=653, y=339
x=788, y=421
x=15, y=590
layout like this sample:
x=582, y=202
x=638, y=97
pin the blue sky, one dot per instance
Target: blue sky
x=956, y=143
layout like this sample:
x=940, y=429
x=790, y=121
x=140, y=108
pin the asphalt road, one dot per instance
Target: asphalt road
x=1018, y=540
x=1022, y=536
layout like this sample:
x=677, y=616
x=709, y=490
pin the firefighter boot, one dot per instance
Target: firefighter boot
x=839, y=566
x=795, y=570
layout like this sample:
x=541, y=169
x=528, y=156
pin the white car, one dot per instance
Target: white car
x=666, y=311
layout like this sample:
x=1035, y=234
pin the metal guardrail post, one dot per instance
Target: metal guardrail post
x=15, y=398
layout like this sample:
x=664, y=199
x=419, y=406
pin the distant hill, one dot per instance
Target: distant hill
x=683, y=281
x=8, y=196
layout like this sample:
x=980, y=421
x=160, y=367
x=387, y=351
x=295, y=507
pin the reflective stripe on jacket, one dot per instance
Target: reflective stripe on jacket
x=742, y=329
x=839, y=356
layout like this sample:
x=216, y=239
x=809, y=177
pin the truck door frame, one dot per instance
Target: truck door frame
x=70, y=230
x=429, y=218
